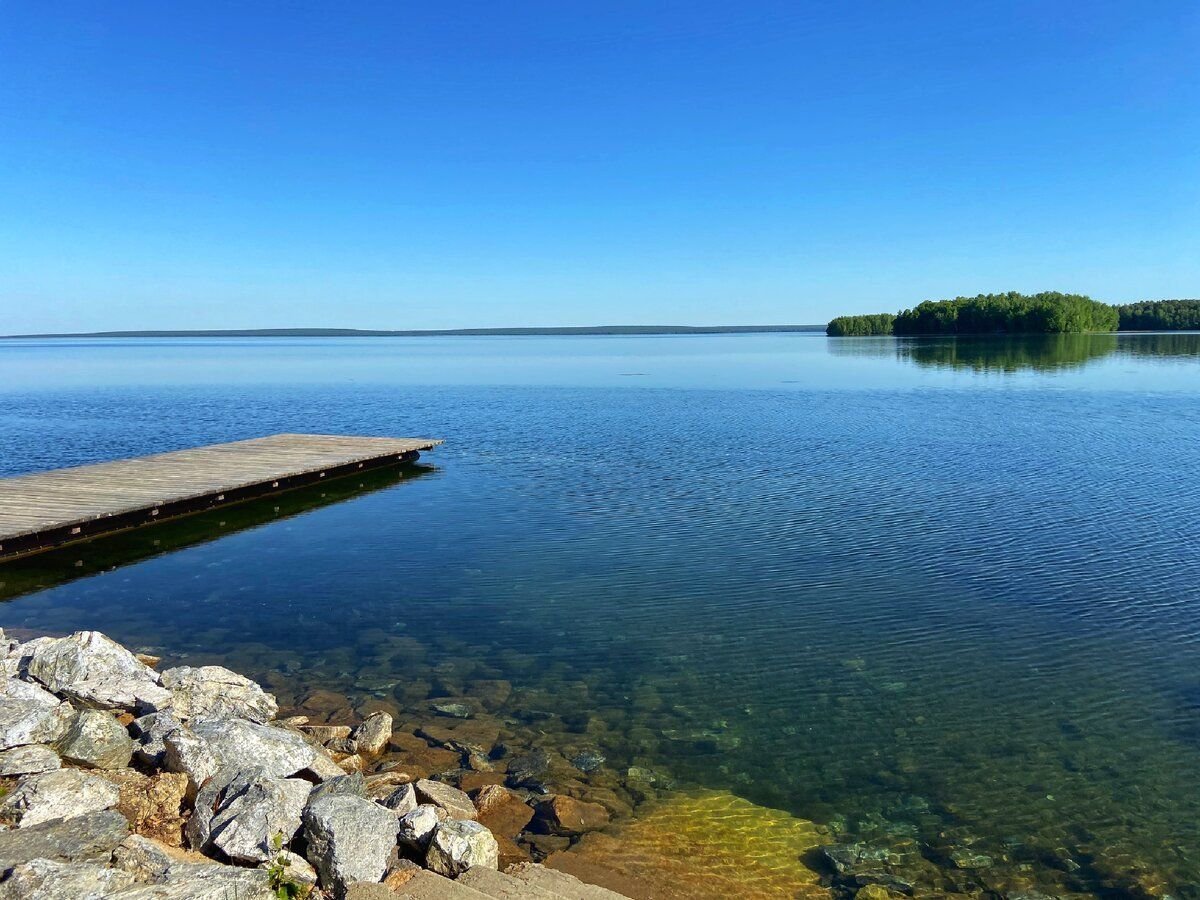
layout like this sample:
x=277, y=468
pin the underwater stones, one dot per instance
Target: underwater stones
x=965, y=858
x=237, y=742
x=416, y=827
x=349, y=839
x=60, y=794
x=457, y=845
x=373, y=734
x=528, y=767
x=152, y=803
x=451, y=708
x=89, y=836
x=493, y=693
x=96, y=740
x=46, y=879
x=95, y=671
x=30, y=715
x=445, y=796
x=565, y=815
x=587, y=760
x=28, y=760
x=216, y=692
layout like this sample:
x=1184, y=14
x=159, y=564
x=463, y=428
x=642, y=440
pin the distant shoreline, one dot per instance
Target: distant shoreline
x=432, y=332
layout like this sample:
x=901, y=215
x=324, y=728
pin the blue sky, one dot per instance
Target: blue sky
x=221, y=164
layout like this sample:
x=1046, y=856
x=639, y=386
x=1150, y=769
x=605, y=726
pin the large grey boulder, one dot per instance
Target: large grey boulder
x=144, y=859
x=28, y=760
x=150, y=730
x=456, y=804
x=216, y=692
x=204, y=881
x=92, y=670
x=45, y=879
x=417, y=826
x=457, y=845
x=187, y=754
x=30, y=715
x=91, y=836
x=17, y=655
x=242, y=812
x=349, y=839
x=237, y=742
x=61, y=794
x=96, y=740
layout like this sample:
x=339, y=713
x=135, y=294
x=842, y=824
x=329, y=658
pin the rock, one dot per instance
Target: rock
x=216, y=692
x=402, y=800
x=417, y=827
x=382, y=785
x=528, y=767
x=44, y=879
x=153, y=804
x=238, y=742
x=400, y=873
x=349, y=839
x=561, y=814
x=367, y=890
x=502, y=811
x=143, y=858
x=451, y=799
x=352, y=785
x=187, y=754
x=847, y=857
x=965, y=858
x=31, y=715
x=452, y=709
x=323, y=768
x=457, y=845
x=28, y=760
x=205, y=881
x=587, y=760
x=150, y=730
x=295, y=868
x=323, y=734
x=94, y=671
x=372, y=735
x=90, y=836
x=241, y=812
x=873, y=892
x=97, y=741
x=61, y=794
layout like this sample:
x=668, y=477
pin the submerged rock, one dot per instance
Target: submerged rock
x=95, y=671
x=216, y=692
x=61, y=794
x=349, y=839
x=452, y=709
x=458, y=845
x=31, y=715
x=96, y=740
x=566, y=815
x=29, y=760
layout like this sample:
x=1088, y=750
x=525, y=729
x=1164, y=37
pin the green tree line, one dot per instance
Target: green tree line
x=847, y=326
x=1160, y=315
x=1049, y=312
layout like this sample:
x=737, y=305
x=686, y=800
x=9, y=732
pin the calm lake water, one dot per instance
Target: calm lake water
x=936, y=592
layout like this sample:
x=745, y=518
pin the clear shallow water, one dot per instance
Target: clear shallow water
x=935, y=592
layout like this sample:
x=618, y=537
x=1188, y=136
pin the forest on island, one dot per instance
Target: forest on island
x=1048, y=312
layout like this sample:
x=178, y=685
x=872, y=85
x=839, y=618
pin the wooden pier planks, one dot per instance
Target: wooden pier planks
x=46, y=509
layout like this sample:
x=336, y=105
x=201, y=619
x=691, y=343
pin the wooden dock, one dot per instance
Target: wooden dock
x=48, y=509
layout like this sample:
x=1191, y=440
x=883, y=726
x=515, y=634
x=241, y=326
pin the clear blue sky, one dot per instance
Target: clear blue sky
x=445, y=164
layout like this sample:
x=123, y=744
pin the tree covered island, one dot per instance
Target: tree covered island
x=1049, y=312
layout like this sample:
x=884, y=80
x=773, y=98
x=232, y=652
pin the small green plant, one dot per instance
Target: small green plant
x=283, y=886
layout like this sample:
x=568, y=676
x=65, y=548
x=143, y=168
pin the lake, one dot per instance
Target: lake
x=939, y=596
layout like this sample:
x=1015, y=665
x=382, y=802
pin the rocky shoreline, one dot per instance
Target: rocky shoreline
x=117, y=780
